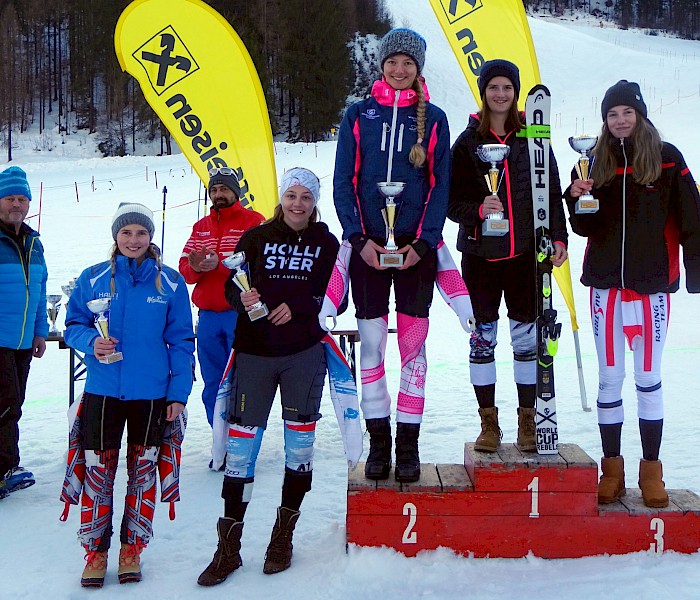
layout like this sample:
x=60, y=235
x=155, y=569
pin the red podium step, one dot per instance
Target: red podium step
x=508, y=504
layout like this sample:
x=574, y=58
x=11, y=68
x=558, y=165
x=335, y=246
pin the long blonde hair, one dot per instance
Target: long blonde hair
x=151, y=252
x=417, y=155
x=646, y=144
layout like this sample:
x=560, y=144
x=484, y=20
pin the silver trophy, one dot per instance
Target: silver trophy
x=583, y=144
x=494, y=223
x=236, y=262
x=69, y=287
x=390, y=190
x=54, y=307
x=99, y=307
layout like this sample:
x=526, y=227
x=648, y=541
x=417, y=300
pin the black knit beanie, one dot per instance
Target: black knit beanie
x=623, y=93
x=498, y=68
x=230, y=181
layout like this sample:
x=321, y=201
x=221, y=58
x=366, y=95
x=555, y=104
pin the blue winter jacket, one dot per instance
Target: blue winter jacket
x=22, y=290
x=362, y=157
x=154, y=330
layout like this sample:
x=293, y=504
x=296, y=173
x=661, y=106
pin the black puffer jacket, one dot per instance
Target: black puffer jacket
x=468, y=190
x=285, y=266
x=633, y=239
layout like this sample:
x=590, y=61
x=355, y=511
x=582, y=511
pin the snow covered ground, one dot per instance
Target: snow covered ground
x=40, y=557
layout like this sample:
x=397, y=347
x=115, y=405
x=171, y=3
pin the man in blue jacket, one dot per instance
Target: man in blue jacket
x=23, y=323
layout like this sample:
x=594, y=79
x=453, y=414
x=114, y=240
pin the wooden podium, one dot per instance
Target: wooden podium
x=508, y=504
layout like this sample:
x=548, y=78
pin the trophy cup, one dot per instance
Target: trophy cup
x=236, y=262
x=54, y=301
x=99, y=307
x=390, y=190
x=494, y=223
x=583, y=144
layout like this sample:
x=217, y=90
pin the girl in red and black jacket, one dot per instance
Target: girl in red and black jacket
x=496, y=266
x=290, y=259
x=648, y=205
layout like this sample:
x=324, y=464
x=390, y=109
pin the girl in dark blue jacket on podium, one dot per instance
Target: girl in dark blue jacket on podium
x=396, y=135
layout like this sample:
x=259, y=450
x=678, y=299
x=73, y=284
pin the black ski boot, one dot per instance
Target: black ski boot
x=407, y=459
x=227, y=557
x=278, y=557
x=378, y=462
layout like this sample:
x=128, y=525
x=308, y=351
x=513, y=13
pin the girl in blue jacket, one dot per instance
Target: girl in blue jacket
x=396, y=135
x=150, y=324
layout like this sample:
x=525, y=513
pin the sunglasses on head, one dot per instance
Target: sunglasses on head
x=222, y=171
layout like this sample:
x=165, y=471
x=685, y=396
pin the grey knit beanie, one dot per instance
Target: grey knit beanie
x=303, y=177
x=623, y=93
x=132, y=213
x=403, y=41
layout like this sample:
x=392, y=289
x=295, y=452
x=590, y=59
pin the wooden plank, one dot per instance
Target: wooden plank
x=576, y=457
x=358, y=481
x=454, y=478
x=632, y=500
x=685, y=500
x=428, y=482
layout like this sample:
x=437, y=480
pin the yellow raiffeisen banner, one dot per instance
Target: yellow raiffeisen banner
x=481, y=30
x=199, y=79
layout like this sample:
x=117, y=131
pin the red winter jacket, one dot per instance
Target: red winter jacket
x=219, y=231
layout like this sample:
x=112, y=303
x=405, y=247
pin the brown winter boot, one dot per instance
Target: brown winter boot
x=95, y=569
x=227, y=557
x=612, y=481
x=130, y=563
x=278, y=557
x=490, y=437
x=652, y=486
x=526, y=430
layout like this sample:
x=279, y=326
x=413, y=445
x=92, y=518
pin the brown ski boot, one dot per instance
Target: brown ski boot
x=490, y=437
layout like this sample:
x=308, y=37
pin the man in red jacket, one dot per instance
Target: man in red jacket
x=214, y=238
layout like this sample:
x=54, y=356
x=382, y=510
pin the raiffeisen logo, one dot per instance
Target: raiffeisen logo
x=167, y=63
x=166, y=60
x=457, y=9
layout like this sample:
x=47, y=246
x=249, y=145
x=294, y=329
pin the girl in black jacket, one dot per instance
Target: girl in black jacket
x=290, y=259
x=648, y=205
x=501, y=266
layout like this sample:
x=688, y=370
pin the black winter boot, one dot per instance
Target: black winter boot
x=378, y=462
x=407, y=459
x=278, y=557
x=227, y=557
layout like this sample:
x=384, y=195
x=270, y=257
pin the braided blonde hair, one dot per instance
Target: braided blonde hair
x=417, y=154
x=151, y=252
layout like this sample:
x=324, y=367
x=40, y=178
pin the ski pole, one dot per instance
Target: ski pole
x=581, y=382
x=162, y=235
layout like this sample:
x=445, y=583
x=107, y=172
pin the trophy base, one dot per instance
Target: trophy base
x=258, y=312
x=391, y=260
x=112, y=358
x=495, y=227
x=586, y=205
x=55, y=333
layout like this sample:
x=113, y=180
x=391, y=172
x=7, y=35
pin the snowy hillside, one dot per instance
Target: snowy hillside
x=40, y=556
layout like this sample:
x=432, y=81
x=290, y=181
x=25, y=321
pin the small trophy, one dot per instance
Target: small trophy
x=494, y=223
x=583, y=144
x=236, y=262
x=54, y=301
x=390, y=190
x=99, y=307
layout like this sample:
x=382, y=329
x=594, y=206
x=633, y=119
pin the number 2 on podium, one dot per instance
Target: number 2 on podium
x=410, y=536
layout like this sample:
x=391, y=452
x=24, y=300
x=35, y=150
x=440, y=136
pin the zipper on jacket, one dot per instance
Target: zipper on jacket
x=400, y=145
x=624, y=214
x=25, y=271
x=392, y=137
x=385, y=127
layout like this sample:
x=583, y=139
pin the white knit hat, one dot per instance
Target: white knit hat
x=132, y=213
